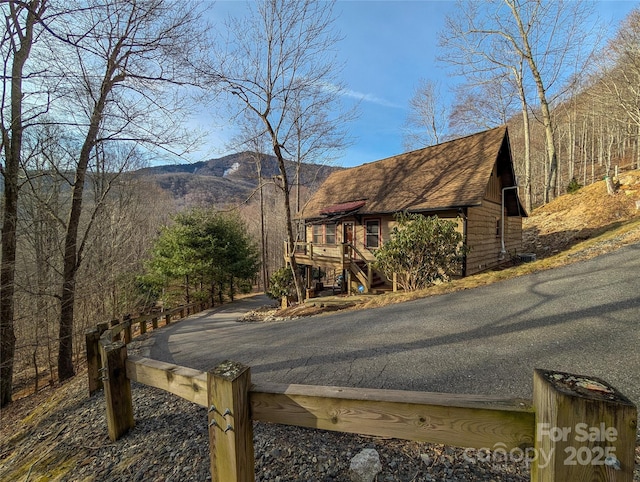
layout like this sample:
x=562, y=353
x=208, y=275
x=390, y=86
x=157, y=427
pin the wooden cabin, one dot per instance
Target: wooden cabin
x=470, y=180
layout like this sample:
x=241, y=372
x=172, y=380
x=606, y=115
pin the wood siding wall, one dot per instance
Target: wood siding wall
x=387, y=223
x=483, y=236
x=484, y=239
x=494, y=188
x=359, y=238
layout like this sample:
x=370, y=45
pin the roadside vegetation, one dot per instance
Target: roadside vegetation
x=203, y=255
x=422, y=250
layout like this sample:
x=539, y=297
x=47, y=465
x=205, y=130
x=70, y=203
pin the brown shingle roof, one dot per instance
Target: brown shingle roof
x=448, y=175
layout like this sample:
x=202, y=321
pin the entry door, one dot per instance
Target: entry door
x=347, y=237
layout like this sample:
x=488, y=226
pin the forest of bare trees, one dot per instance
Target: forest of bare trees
x=88, y=92
x=569, y=99
x=91, y=90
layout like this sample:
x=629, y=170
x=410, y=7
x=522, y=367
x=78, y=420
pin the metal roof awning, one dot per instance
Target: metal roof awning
x=342, y=208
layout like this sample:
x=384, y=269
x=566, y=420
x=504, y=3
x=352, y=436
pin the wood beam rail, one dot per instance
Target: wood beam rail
x=108, y=333
x=576, y=427
x=591, y=416
x=461, y=420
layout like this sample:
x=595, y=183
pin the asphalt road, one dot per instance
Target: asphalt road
x=582, y=319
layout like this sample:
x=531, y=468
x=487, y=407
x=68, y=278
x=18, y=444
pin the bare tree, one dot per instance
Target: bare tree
x=490, y=67
x=252, y=138
x=481, y=107
x=620, y=74
x=118, y=61
x=21, y=22
x=281, y=70
x=428, y=116
x=39, y=240
x=545, y=36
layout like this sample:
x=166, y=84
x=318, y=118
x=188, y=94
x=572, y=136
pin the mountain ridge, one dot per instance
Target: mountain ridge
x=227, y=179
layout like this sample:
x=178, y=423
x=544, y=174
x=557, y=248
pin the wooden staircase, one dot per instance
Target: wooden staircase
x=364, y=273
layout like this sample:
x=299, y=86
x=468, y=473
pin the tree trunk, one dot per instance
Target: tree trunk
x=7, y=275
x=290, y=236
x=70, y=270
x=13, y=149
x=544, y=106
x=527, y=141
x=72, y=253
x=263, y=241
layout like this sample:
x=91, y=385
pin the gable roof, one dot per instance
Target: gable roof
x=453, y=174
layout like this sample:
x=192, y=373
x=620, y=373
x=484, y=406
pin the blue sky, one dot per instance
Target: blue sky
x=388, y=46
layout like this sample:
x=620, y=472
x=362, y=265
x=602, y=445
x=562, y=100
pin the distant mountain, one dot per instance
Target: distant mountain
x=228, y=179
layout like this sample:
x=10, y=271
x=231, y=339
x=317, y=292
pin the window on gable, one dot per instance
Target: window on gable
x=372, y=228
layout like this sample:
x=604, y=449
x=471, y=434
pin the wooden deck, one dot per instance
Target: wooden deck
x=340, y=256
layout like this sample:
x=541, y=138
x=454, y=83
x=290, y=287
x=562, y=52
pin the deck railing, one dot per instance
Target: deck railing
x=344, y=256
x=343, y=252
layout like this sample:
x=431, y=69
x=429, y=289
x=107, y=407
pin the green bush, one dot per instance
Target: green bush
x=421, y=250
x=574, y=186
x=281, y=284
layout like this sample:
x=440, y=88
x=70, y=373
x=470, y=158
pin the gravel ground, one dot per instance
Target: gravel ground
x=170, y=443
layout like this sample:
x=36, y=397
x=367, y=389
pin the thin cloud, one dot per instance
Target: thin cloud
x=361, y=96
x=369, y=98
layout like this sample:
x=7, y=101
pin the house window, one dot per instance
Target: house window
x=372, y=228
x=498, y=228
x=330, y=234
x=317, y=234
x=324, y=234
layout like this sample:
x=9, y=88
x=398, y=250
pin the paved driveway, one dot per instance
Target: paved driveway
x=582, y=318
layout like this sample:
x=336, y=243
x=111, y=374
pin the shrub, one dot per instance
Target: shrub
x=574, y=186
x=281, y=284
x=422, y=250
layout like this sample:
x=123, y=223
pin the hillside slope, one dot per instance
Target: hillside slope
x=226, y=180
x=572, y=218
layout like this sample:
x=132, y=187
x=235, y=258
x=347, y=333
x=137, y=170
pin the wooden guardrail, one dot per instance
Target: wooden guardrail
x=117, y=329
x=576, y=427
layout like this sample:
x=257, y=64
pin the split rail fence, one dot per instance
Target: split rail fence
x=575, y=428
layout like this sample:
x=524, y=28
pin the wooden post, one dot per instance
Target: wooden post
x=230, y=427
x=114, y=323
x=117, y=389
x=143, y=326
x=94, y=364
x=127, y=328
x=585, y=429
x=154, y=322
x=167, y=319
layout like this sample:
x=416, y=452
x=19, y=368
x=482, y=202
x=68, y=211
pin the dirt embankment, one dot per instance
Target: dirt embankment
x=572, y=218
